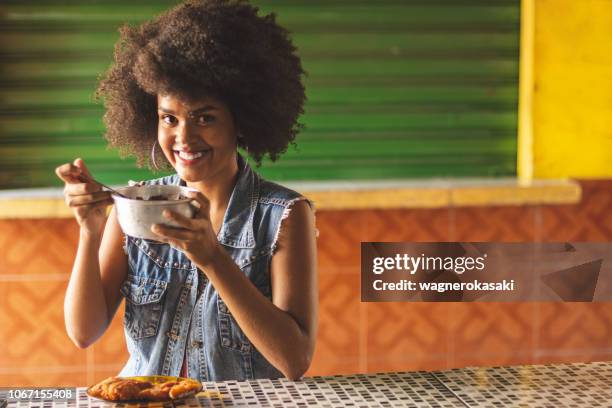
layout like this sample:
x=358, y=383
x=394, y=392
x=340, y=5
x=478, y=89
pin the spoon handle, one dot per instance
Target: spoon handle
x=86, y=179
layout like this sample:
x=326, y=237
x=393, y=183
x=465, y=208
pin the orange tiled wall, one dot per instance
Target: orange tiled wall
x=353, y=337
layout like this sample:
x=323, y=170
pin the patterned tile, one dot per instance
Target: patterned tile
x=32, y=326
x=496, y=224
x=324, y=364
x=573, y=331
x=338, y=242
x=24, y=241
x=590, y=220
x=405, y=336
x=420, y=362
x=61, y=377
x=575, y=385
x=405, y=225
x=561, y=385
x=492, y=333
x=339, y=323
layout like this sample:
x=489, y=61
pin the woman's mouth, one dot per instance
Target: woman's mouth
x=190, y=158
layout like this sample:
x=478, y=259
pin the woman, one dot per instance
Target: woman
x=231, y=294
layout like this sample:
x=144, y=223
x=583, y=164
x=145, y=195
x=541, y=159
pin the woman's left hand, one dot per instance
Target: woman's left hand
x=195, y=236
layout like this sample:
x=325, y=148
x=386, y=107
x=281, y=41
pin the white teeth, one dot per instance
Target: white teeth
x=190, y=156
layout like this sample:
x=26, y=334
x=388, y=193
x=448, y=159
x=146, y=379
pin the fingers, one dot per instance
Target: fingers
x=202, y=203
x=85, y=209
x=87, y=199
x=67, y=173
x=186, y=230
x=78, y=190
x=182, y=221
x=80, y=164
x=74, y=189
x=75, y=172
x=172, y=233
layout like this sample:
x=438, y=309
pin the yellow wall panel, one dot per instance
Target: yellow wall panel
x=573, y=89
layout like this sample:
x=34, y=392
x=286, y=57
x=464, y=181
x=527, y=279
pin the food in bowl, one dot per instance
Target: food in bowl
x=160, y=197
x=150, y=388
x=143, y=206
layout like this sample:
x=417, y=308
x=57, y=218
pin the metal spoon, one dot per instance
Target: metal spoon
x=86, y=179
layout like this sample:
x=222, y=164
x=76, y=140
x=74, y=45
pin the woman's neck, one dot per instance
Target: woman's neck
x=218, y=190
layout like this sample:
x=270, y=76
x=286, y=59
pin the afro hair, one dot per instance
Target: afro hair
x=205, y=48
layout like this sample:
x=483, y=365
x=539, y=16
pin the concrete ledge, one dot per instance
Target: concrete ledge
x=441, y=193
x=387, y=194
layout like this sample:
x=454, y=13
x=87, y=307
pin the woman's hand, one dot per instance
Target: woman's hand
x=85, y=197
x=195, y=236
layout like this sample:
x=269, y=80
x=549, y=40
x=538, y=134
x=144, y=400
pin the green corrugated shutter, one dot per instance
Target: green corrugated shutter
x=396, y=89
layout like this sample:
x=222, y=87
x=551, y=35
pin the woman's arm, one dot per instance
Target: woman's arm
x=283, y=330
x=100, y=265
x=93, y=293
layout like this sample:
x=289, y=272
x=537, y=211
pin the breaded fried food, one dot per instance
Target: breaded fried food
x=127, y=389
x=100, y=389
x=159, y=392
x=185, y=387
x=119, y=389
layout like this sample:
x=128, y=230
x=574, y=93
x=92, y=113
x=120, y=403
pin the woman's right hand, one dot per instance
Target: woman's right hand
x=86, y=198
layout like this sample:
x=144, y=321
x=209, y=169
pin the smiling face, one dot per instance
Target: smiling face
x=197, y=137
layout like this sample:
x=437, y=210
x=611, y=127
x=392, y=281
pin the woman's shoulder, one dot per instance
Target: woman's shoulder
x=277, y=194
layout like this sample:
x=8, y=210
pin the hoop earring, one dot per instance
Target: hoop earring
x=153, y=162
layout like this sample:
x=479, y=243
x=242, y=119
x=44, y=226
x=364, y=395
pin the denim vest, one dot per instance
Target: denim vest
x=173, y=311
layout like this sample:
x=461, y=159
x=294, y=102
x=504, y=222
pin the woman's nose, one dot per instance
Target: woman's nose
x=183, y=133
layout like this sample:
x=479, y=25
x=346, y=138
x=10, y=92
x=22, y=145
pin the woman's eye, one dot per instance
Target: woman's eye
x=205, y=119
x=168, y=119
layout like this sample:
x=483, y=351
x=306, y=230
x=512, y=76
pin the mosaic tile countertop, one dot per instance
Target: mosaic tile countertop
x=561, y=385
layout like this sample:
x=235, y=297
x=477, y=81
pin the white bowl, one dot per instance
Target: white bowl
x=137, y=216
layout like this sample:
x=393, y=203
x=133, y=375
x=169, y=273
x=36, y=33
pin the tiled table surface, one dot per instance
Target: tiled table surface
x=561, y=385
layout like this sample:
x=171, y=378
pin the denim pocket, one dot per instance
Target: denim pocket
x=143, y=306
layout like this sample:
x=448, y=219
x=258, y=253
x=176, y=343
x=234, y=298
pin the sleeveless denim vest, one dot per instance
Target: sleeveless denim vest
x=173, y=311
